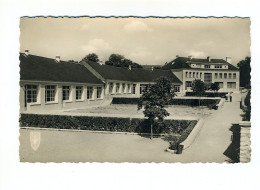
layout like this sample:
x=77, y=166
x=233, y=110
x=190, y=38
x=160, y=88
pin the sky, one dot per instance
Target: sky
x=147, y=41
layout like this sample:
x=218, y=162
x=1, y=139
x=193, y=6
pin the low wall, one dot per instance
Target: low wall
x=245, y=142
x=193, y=135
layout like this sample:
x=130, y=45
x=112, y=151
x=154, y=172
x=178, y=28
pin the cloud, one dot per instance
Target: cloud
x=82, y=27
x=197, y=54
x=98, y=46
x=139, y=54
x=137, y=26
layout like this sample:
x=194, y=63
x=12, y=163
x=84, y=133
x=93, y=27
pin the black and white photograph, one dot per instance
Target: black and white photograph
x=131, y=89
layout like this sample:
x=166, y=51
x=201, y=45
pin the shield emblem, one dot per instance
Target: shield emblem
x=35, y=140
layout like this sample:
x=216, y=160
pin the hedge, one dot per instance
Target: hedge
x=209, y=94
x=176, y=101
x=104, y=123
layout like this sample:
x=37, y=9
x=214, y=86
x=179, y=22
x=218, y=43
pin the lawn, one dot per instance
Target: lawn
x=127, y=109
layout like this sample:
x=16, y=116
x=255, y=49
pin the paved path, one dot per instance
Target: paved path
x=60, y=146
x=215, y=136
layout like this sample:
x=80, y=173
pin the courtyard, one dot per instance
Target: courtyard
x=88, y=146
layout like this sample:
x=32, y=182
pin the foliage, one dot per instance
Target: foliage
x=154, y=99
x=72, y=61
x=120, y=61
x=198, y=87
x=245, y=69
x=247, y=110
x=214, y=86
x=91, y=57
x=208, y=94
x=102, y=123
x=175, y=101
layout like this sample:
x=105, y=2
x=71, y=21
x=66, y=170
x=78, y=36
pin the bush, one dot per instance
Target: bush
x=103, y=123
x=211, y=103
x=208, y=94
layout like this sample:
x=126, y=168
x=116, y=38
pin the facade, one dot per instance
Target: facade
x=187, y=69
x=129, y=82
x=52, y=84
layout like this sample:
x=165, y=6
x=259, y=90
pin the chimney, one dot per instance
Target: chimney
x=229, y=60
x=152, y=68
x=209, y=59
x=57, y=58
x=26, y=52
x=100, y=62
x=130, y=67
x=190, y=57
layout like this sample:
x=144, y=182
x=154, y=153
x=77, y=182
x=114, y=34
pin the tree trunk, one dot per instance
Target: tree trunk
x=151, y=130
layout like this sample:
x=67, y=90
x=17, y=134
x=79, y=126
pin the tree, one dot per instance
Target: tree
x=214, y=86
x=120, y=61
x=245, y=69
x=91, y=57
x=154, y=99
x=198, y=88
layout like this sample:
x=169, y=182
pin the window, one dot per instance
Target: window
x=197, y=75
x=117, y=87
x=128, y=87
x=89, y=92
x=99, y=92
x=220, y=75
x=189, y=74
x=234, y=76
x=30, y=94
x=220, y=84
x=133, y=88
x=110, y=87
x=143, y=87
x=50, y=91
x=188, y=84
x=231, y=85
x=193, y=74
x=123, y=87
x=225, y=75
x=207, y=66
x=218, y=66
x=216, y=75
x=176, y=88
x=229, y=75
x=65, y=92
x=186, y=74
x=200, y=75
x=79, y=92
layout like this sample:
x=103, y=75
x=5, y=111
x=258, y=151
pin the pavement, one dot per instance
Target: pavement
x=66, y=146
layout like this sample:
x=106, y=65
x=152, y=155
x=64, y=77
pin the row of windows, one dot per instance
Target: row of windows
x=217, y=75
x=193, y=74
x=125, y=88
x=226, y=75
x=31, y=92
x=231, y=85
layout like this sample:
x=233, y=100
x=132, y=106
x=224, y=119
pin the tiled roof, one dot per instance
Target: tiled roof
x=182, y=62
x=38, y=68
x=133, y=75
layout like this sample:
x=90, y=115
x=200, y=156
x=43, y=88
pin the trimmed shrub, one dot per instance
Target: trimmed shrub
x=211, y=103
x=104, y=123
x=208, y=94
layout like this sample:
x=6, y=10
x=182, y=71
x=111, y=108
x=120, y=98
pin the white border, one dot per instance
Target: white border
x=16, y=175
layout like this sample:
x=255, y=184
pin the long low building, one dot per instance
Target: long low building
x=52, y=84
x=129, y=82
x=221, y=71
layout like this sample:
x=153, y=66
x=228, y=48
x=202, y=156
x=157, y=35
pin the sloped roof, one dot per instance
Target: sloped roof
x=38, y=68
x=133, y=75
x=183, y=62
